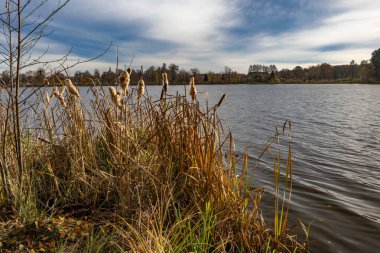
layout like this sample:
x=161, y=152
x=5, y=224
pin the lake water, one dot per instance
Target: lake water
x=336, y=153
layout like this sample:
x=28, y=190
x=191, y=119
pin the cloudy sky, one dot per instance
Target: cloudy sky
x=210, y=34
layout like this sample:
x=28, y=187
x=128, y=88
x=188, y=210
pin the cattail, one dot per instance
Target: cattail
x=140, y=88
x=220, y=101
x=54, y=92
x=165, y=82
x=46, y=82
x=61, y=100
x=47, y=97
x=62, y=90
x=116, y=97
x=193, y=90
x=113, y=93
x=124, y=79
x=120, y=126
x=58, y=94
x=72, y=89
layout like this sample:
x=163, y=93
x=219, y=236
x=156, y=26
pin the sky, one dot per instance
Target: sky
x=211, y=34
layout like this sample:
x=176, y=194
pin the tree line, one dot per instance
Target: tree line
x=368, y=71
x=152, y=76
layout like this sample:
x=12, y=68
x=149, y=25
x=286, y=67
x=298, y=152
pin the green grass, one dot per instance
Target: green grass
x=160, y=176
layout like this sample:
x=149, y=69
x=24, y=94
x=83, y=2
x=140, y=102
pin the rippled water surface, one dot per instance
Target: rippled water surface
x=336, y=153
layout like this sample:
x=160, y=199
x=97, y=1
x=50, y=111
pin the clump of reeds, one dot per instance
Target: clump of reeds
x=115, y=97
x=124, y=80
x=162, y=184
x=193, y=90
x=72, y=89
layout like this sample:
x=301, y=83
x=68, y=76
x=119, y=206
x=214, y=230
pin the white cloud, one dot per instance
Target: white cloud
x=194, y=28
x=195, y=32
x=357, y=27
x=197, y=26
x=184, y=22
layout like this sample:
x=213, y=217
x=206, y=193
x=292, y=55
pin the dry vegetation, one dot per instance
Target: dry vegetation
x=133, y=175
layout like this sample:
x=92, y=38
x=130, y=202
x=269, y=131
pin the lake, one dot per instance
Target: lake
x=336, y=153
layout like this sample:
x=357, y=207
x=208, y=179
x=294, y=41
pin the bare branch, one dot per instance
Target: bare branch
x=25, y=5
x=38, y=61
x=38, y=26
x=33, y=10
x=89, y=60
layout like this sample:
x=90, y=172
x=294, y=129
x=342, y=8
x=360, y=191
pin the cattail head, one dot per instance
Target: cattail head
x=58, y=94
x=112, y=91
x=124, y=79
x=120, y=126
x=61, y=100
x=55, y=91
x=140, y=88
x=47, y=97
x=62, y=90
x=118, y=100
x=72, y=89
x=116, y=97
x=46, y=82
x=193, y=90
x=165, y=82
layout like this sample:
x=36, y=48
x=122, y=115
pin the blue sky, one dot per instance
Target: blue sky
x=210, y=34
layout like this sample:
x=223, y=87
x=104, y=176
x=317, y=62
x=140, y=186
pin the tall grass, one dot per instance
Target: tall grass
x=160, y=175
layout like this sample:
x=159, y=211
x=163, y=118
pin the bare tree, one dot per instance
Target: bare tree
x=22, y=26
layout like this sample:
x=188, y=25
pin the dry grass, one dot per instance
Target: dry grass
x=161, y=176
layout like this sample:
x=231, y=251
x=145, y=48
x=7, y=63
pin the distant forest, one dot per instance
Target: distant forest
x=368, y=71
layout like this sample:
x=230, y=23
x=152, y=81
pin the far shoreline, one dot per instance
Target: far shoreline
x=245, y=83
